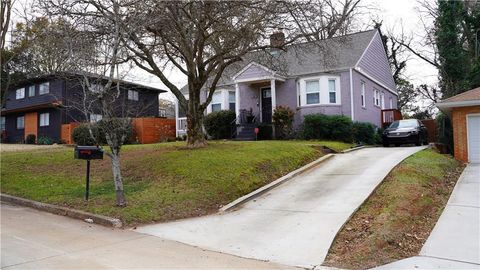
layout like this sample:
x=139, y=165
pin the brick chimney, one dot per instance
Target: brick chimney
x=277, y=39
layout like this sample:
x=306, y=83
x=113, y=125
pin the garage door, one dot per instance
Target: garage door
x=473, y=122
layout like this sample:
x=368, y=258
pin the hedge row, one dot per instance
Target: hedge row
x=338, y=127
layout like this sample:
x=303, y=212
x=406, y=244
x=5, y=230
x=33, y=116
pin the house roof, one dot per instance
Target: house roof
x=337, y=53
x=60, y=75
x=468, y=98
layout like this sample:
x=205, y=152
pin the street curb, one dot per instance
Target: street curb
x=63, y=211
x=256, y=193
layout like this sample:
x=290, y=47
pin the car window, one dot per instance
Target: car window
x=404, y=124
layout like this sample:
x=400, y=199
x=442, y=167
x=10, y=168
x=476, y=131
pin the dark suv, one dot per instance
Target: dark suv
x=405, y=132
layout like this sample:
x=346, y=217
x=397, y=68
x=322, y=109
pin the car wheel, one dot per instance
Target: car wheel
x=418, y=142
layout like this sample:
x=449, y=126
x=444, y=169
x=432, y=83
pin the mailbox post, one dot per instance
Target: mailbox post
x=88, y=153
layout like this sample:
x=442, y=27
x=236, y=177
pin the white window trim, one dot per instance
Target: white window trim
x=43, y=86
x=44, y=120
x=362, y=94
x=391, y=102
x=382, y=100
x=315, y=92
x=324, y=91
x=20, y=90
x=337, y=96
x=376, y=97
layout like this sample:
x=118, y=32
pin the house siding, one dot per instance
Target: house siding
x=55, y=93
x=370, y=113
x=342, y=109
x=375, y=63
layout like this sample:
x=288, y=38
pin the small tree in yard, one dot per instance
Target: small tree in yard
x=98, y=77
x=283, y=121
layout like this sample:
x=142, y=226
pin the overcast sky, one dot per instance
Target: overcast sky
x=393, y=13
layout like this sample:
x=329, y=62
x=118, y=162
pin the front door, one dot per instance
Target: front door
x=31, y=124
x=266, y=105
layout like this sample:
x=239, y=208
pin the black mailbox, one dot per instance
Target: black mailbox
x=88, y=152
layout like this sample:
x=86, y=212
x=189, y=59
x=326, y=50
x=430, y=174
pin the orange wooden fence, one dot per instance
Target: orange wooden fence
x=67, y=131
x=153, y=130
x=146, y=130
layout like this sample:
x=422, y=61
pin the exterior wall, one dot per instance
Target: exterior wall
x=52, y=131
x=341, y=109
x=14, y=135
x=55, y=93
x=371, y=113
x=253, y=71
x=459, y=121
x=146, y=106
x=374, y=62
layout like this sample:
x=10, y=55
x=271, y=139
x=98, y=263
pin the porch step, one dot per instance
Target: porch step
x=245, y=132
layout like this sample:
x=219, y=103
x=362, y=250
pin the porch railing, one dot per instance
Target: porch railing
x=390, y=115
x=181, y=125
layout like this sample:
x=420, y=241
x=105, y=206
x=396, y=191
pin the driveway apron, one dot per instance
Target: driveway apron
x=296, y=222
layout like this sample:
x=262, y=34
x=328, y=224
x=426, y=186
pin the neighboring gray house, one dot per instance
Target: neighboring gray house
x=347, y=75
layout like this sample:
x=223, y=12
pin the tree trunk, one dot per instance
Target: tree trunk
x=195, y=135
x=117, y=179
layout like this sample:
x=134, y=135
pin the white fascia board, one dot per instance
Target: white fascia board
x=357, y=69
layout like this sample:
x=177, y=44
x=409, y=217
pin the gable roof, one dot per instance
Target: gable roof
x=337, y=53
x=468, y=98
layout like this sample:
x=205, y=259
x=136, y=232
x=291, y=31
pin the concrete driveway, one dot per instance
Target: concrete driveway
x=38, y=240
x=295, y=223
x=455, y=240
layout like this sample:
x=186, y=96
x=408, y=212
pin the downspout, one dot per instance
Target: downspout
x=351, y=95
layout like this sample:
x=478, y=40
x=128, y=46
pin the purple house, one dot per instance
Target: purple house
x=347, y=75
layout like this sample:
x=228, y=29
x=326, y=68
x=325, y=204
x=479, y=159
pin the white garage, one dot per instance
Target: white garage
x=464, y=111
x=473, y=137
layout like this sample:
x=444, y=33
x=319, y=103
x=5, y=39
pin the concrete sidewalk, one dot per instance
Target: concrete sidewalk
x=455, y=241
x=38, y=240
x=295, y=223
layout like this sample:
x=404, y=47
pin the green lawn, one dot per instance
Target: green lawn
x=162, y=181
x=398, y=217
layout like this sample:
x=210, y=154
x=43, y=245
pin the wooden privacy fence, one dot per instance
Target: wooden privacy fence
x=67, y=131
x=146, y=130
x=153, y=130
x=431, y=126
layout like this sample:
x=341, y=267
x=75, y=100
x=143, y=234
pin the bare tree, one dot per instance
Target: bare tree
x=100, y=83
x=5, y=14
x=318, y=20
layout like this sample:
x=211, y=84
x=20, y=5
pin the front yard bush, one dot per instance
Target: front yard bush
x=219, y=124
x=30, y=139
x=363, y=133
x=327, y=127
x=81, y=134
x=45, y=140
x=283, y=122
